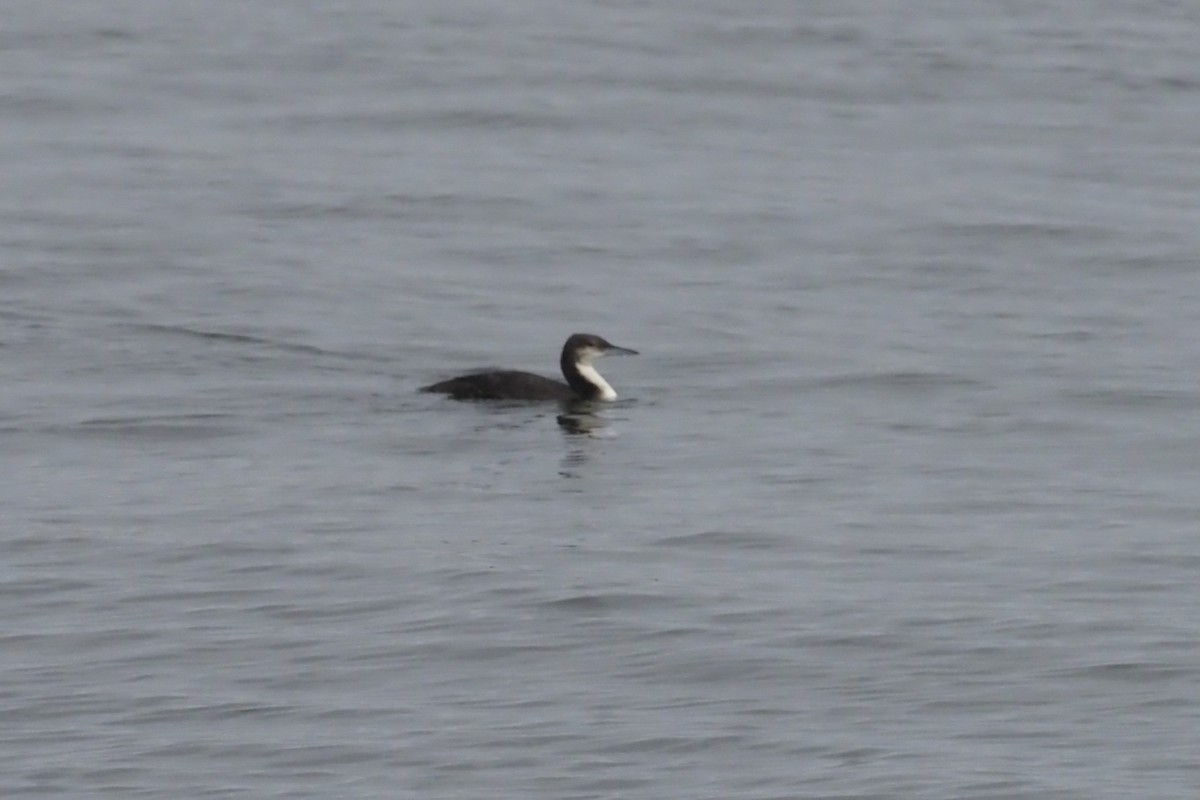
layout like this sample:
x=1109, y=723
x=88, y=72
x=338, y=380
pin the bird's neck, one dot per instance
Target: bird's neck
x=586, y=381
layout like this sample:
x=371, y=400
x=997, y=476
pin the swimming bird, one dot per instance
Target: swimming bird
x=583, y=381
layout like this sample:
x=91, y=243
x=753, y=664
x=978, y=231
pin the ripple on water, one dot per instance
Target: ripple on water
x=725, y=539
x=164, y=428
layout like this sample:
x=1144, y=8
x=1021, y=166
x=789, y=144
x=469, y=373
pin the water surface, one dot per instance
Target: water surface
x=898, y=500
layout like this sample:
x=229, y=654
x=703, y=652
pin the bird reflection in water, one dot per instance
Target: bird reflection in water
x=580, y=420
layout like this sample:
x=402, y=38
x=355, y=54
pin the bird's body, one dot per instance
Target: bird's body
x=583, y=381
x=508, y=384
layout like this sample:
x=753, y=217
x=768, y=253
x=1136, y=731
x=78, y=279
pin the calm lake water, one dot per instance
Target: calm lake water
x=899, y=499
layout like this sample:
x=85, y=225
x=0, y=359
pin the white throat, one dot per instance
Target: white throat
x=589, y=374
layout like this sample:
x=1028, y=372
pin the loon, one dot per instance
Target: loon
x=583, y=381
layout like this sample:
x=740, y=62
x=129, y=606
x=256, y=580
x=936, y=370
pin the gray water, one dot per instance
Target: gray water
x=899, y=499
